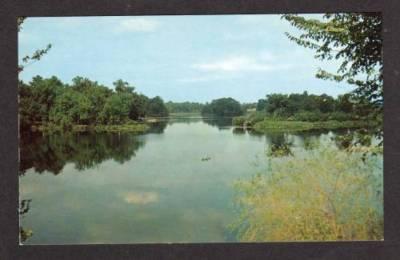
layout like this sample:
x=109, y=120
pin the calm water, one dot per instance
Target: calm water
x=173, y=184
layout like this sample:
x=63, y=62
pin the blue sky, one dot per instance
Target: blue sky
x=180, y=58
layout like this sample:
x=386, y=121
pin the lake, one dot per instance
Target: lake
x=173, y=184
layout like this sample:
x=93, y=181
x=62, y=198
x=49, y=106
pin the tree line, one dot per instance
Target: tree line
x=310, y=107
x=84, y=102
x=184, y=107
x=222, y=107
x=295, y=106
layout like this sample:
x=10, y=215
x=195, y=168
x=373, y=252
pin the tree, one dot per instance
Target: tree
x=36, y=56
x=184, y=107
x=276, y=104
x=344, y=103
x=37, y=99
x=123, y=87
x=261, y=104
x=156, y=107
x=355, y=40
x=138, y=107
x=223, y=107
x=116, y=109
x=71, y=107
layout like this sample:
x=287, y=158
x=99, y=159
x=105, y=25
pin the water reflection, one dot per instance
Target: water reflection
x=279, y=144
x=158, y=127
x=85, y=150
x=239, y=131
x=140, y=198
x=166, y=194
x=219, y=122
x=187, y=120
x=24, y=207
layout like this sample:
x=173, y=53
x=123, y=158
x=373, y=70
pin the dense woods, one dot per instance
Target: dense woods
x=48, y=101
x=184, y=107
x=309, y=107
x=222, y=107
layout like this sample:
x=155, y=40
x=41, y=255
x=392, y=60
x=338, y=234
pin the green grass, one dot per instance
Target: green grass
x=278, y=125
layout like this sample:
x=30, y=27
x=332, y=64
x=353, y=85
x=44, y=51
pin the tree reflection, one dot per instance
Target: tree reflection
x=219, y=122
x=311, y=139
x=24, y=207
x=279, y=144
x=158, y=127
x=86, y=150
x=239, y=131
x=187, y=120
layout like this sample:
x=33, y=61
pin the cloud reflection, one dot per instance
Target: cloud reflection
x=140, y=198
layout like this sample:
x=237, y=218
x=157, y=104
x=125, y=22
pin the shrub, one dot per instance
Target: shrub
x=339, y=116
x=324, y=194
x=256, y=117
x=309, y=116
x=238, y=120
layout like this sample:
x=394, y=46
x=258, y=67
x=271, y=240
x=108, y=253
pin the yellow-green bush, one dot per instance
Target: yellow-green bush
x=323, y=194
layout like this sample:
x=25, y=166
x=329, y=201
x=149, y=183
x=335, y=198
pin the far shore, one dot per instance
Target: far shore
x=263, y=126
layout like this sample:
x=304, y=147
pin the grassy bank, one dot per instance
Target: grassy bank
x=131, y=128
x=278, y=125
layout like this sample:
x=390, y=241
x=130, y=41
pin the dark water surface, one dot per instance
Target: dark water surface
x=173, y=184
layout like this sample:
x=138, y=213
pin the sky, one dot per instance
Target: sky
x=179, y=58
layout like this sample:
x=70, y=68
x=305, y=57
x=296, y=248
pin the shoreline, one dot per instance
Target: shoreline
x=283, y=125
x=263, y=126
x=131, y=128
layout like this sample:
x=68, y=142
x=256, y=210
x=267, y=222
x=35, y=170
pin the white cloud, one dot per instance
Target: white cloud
x=242, y=64
x=138, y=24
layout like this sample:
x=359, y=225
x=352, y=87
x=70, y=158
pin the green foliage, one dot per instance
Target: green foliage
x=157, y=108
x=116, y=109
x=319, y=195
x=36, y=56
x=308, y=108
x=223, y=107
x=355, y=40
x=285, y=106
x=239, y=121
x=184, y=107
x=249, y=107
x=37, y=99
x=282, y=125
x=248, y=120
x=71, y=107
x=50, y=104
x=261, y=104
x=123, y=87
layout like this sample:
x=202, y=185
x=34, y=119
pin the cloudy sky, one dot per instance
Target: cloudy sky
x=180, y=58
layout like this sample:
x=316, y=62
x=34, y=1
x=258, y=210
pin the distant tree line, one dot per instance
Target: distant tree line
x=223, y=107
x=184, y=107
x=49, y=101
x=309, y=107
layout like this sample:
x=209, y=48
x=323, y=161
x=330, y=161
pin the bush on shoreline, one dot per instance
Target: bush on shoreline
x=324, y=195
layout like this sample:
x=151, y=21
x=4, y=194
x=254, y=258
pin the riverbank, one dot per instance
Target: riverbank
x=285, y=125
x=131, y=128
